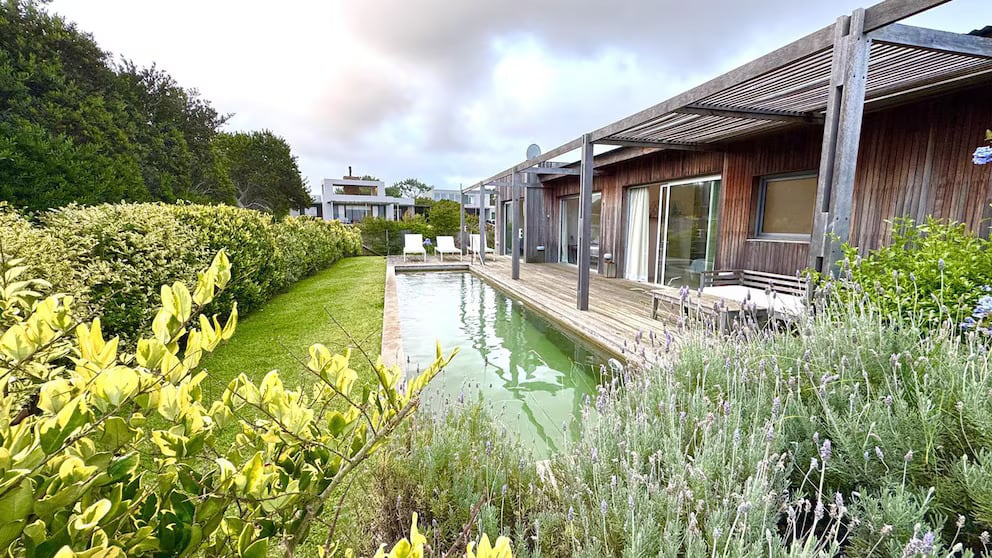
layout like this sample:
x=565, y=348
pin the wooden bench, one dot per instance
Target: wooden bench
x=730, y=296
x=783, y=298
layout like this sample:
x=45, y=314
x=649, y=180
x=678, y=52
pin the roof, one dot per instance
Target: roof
x=792, y=84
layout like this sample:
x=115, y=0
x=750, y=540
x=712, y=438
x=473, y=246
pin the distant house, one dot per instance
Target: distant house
x=471, y=201
x=351, y=199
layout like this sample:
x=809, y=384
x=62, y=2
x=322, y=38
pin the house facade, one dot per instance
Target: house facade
x=773, y=165
x=351, y=199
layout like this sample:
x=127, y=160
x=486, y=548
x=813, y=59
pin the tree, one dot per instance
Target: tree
x=445, y=217
x=394, y=191
x=263, y=171
x=77, y=128
x=410, y=188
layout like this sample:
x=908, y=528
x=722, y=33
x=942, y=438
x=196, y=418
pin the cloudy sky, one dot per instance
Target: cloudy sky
x=450, y=91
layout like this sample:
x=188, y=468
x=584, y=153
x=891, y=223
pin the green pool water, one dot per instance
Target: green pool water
x=533, y=377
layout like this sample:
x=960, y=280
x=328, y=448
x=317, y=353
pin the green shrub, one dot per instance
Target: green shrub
x=113, y=257
x=855, y=436
x=445, y=217
x=441, y=467
x=385, y=237
x=118, y=454
x=930, y=272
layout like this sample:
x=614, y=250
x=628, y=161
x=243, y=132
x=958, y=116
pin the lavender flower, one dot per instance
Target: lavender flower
x=982, y=155
x=571, y=514
x=825, y=451
x=603, y=507
x=878, y=452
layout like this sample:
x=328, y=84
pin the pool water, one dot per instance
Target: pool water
x=533, y=377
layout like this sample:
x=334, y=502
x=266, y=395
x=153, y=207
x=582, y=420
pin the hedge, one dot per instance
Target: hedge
x=114, y=257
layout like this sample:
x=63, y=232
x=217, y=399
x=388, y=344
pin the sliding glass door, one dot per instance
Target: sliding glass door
x=568, y=245
x=687, y=237
x=508, y=226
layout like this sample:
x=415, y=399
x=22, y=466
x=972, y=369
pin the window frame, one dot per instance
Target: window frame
x=759, y=211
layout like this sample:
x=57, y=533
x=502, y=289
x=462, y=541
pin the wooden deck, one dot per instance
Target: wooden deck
x=619, y=310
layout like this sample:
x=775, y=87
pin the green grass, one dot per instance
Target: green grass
x=277, y=336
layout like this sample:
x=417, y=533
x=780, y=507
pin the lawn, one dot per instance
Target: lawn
x=276, y=336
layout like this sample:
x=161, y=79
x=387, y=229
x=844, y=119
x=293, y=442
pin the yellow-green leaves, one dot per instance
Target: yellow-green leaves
x=412, y=547
x=500, y=550
x=71, y=474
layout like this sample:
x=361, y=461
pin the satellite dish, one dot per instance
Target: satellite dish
x=533, y=151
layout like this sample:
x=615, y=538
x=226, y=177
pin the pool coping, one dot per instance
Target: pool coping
x=391, y=351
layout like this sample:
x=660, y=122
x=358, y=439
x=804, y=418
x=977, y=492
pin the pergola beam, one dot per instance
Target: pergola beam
x=753, y=114
x=660, y=144
x=514, y=228
x=877, y=16
x=934, y=40
x=560, y=150
x=585, y=222
x=549, y=170
x=841, y=142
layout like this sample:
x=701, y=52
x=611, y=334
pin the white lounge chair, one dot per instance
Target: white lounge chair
x=446, y=245
x=473, y=246
x=414, y=244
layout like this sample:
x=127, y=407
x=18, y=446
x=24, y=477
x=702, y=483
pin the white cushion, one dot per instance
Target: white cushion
x=776, y=302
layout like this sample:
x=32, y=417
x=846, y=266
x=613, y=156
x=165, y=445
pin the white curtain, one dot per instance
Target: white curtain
x=638, y=215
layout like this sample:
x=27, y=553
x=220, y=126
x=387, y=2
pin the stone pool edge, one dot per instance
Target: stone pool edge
x=392, y=340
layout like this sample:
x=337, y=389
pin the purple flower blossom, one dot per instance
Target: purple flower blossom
x=603, y=507
x=825, y=451
x=982, y=155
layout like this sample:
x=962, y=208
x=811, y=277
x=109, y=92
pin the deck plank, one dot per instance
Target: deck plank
x=618, y=309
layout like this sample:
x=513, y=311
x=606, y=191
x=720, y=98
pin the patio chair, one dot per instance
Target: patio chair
x=414, y=244
x=473, y=246
x=446, y=245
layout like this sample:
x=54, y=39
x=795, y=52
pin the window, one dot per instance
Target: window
x=785, y=207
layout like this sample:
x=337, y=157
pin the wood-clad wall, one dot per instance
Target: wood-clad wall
x=915, y=161
x=796, y=150
x=611, y=180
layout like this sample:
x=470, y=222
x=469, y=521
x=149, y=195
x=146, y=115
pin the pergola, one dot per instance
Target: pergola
x=865, y=60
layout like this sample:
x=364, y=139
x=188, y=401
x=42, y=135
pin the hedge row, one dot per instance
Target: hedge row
x=115, y=257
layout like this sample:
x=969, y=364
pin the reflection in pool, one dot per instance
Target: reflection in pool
x=532, y=376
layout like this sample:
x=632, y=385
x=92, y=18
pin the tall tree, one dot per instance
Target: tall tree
x=75, y=127
x=410, y=188
x=263, y=171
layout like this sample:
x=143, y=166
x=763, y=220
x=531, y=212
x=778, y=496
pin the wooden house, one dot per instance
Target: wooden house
x=772, y=166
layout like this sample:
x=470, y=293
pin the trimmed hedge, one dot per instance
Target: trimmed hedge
x=114, y=257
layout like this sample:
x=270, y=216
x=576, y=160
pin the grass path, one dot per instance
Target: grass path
x=276, y=336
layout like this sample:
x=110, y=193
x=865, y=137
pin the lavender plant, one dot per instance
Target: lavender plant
x=860, y=435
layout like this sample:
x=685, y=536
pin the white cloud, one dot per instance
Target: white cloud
x=449, y=91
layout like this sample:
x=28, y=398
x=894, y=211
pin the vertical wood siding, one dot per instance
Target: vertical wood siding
x=915, y=161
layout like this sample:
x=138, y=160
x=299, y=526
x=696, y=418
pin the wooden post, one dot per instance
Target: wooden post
x=482, y=224
x=841, y=141
x=461, y=222
x=585, y=222
x=514, y=226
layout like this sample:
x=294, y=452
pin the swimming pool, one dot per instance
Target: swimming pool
x=533, y=377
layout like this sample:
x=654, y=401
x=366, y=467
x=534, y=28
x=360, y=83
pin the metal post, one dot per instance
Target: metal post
x=482, y=224
x=461, y=222
x=841, y=142
x=585, y=222
x=514, y=226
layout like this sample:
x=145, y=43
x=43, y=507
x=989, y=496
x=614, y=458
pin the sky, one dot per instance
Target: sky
x=450, y=91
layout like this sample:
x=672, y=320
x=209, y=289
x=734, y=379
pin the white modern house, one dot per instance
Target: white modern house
x=351, y=199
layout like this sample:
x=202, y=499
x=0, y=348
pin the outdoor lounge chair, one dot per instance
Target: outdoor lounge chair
x=473, y=246
x=414, y=244
x=446, y=245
